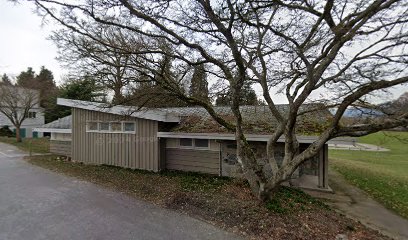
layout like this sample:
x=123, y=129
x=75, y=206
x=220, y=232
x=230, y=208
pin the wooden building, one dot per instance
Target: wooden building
x=169, y=138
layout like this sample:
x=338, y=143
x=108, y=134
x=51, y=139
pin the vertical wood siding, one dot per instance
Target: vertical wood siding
x=60, y=147
x=137, y=151
x=193, y=160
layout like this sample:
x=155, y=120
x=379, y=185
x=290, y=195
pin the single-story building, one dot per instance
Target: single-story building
x=185, y=139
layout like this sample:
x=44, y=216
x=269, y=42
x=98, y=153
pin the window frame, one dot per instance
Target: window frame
x=114, y=131
x=204, y=148
x=103, y=122
x=193, y=145
x=31, y=115
x=186, y=147
x=92, y=130
x=110, y=130
x=124, y=129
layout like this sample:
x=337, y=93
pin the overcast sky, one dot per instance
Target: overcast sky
x=23, y=43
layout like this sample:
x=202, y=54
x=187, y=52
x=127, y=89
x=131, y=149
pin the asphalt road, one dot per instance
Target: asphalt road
x=38, y=204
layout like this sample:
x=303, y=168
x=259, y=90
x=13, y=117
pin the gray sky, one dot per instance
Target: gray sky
x=23, y=43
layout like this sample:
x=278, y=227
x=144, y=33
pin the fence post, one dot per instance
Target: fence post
x=30, y=147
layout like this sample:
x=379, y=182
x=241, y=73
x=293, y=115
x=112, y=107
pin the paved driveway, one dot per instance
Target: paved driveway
x=38, y=204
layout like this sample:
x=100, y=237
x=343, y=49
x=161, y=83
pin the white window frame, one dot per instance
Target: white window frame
x=193, y=146
x=103, y=131
x=123, y=127
x=32, y=114
x=122, y=124
x=89, y=130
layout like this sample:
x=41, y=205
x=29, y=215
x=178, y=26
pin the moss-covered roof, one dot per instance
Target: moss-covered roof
x=257, y=119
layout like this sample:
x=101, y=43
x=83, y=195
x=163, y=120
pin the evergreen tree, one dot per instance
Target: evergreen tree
x=45, y=78
x=223, y=99
x=44, y=82
x=83, y=89
x=157, y=91
x=247, y=97
x=199, y=84
x=26, y=78
x=5, y=80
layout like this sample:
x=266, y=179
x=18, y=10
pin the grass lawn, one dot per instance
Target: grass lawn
x=383, y=175
x=37, y=145
x=224, y=202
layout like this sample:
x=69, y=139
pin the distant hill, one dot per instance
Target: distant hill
x=353, y=112
x=392, y=107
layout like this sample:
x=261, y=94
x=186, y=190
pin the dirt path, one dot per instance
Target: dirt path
x=356, y=204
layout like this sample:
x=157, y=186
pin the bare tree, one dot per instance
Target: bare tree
x=16, y=103
x=344, y=50
x=98, y=54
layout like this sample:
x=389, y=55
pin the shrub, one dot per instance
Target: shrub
x=6, y=132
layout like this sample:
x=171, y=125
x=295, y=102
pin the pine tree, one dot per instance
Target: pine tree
x=26, y=78
x=44, y=82
x=5, y=80
x=247, y=97
x=79, y=89
x=199, y=84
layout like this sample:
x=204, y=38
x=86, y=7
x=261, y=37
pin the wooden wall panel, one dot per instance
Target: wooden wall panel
x=193, y=160
x=139, y=150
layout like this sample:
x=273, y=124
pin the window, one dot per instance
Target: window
x=129, y=126
x=116, y=126
x=103, y=126
x=32, y=115
x=196, y=143
x=111, y=127
x=186, y=142
x=92, y=126
x=201, y=143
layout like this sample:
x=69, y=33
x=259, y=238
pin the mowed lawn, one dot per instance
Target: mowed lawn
x=383, y=175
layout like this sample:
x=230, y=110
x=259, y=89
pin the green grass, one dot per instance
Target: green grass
x=383, y=175
x=37, y=145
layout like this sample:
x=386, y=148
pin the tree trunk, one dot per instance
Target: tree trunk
x=253, y=172
x=262, y=183
x=18, y=136
x=118, y=96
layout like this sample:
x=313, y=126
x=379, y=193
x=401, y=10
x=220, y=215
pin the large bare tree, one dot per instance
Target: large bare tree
x=16, y=103
x=97, y=52
x=337, y=53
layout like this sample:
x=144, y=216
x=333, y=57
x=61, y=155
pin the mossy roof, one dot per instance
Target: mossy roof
x=256, y=119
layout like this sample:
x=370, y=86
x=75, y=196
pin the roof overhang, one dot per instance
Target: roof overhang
x=150, y=114
x=249, y=137
x=52, y=130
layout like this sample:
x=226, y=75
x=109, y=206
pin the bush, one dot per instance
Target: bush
x=6, y=132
